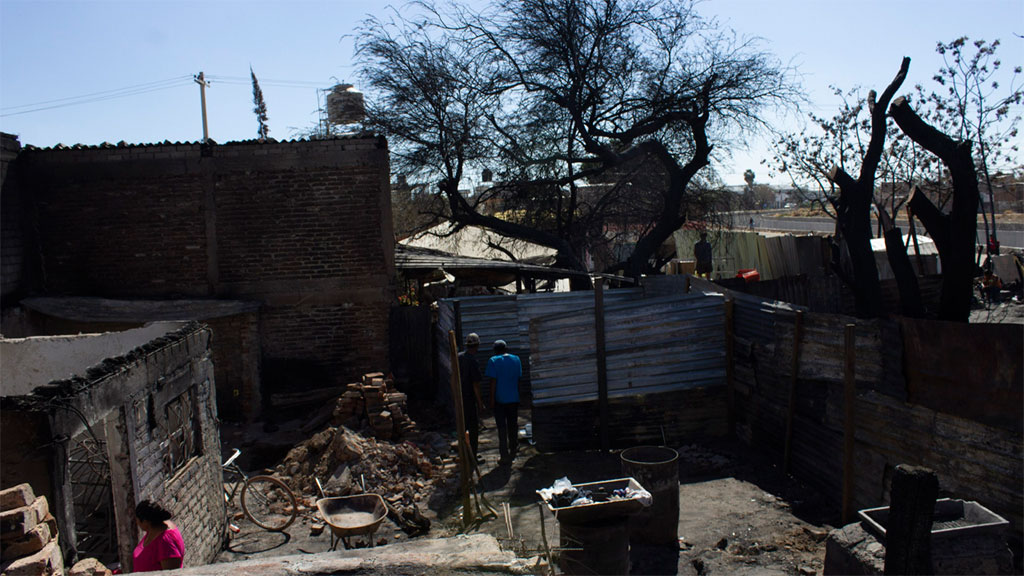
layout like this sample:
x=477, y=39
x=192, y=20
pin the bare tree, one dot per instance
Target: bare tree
x=977, y=101
x=588, y=108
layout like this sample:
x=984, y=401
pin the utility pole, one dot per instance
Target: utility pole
x=201, y=80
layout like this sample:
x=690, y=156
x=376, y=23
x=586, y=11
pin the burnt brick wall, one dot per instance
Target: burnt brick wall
x=12, y=234
x=123, y=401
x=194, y=493
x=236, y=357
x=303, y=227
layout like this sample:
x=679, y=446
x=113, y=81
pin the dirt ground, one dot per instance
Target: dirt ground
x=738, y=513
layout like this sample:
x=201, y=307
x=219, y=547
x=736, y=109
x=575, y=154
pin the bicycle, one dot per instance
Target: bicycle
x=265, y=500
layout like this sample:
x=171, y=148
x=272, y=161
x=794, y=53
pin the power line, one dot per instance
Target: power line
x=99, y=96
x=264, y=81
x=144, y=88
x=104, y=92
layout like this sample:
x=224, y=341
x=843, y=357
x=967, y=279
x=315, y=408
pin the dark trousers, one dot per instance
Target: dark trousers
x=472, y=425
x=506, y=419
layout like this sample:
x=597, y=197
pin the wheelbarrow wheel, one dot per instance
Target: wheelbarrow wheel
x=269, y=503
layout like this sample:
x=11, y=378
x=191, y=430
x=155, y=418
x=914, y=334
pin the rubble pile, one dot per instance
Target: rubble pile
x=348, y=462
x=344, y=461
x=374, y=403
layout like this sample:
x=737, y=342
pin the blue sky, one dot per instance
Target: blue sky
x=137, y=57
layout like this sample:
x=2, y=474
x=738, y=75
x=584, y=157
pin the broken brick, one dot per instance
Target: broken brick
x=46, y=562
x=19, y=522
x=16, y=497
x=32, y=542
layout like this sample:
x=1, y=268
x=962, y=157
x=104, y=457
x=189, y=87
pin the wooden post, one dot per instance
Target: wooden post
x=602, y=363
x=798, y=333
x=457, y=312
x=849, y=424
x=730, y=384
x=908, y=533
x=460, y=428
x=913, y=235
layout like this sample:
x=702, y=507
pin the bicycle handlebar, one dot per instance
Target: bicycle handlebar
x=232, y=458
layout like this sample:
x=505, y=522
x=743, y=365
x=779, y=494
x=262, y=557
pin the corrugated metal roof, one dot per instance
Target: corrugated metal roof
x=268, y=141
x=415, y=259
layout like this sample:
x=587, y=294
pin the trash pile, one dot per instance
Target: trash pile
x=374, y=403
x=562, y=494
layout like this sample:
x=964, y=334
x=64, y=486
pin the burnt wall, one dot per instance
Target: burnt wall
x=303, y=227
x=129, y=406
x=12, y=232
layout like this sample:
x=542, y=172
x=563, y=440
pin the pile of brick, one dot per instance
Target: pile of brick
x=374, y=403
x=28, y=534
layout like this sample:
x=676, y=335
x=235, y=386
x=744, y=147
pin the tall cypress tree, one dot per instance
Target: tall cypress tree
x=260, y=106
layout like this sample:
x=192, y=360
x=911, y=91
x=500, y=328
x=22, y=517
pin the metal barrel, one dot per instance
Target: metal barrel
x=600, y=547
x=656, y=468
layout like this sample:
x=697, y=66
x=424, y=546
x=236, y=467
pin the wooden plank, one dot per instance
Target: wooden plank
x=602, y=362
x=849, y=422
x=729, y=361
x=794, y=370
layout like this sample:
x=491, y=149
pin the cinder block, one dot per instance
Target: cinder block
x=38, y=537
x=19, y=522
x=16, y=497
x=46, y=562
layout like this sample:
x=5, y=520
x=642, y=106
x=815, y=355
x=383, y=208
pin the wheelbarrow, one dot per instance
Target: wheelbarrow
x=350, y=516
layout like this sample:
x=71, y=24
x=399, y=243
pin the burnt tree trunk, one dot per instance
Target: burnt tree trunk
x=854, y=206
x=902, y=269
x=853, y=215
x=955, y=233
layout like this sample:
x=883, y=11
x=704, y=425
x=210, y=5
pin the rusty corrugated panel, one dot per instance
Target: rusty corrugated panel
x=652, y=345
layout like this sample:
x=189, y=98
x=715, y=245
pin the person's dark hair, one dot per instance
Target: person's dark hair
x=149, y=511
x=500, y=347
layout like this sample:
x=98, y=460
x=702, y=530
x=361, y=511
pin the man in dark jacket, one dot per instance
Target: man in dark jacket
x=472, y=402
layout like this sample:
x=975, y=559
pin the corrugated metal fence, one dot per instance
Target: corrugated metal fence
x=508, y=318
x=652, y=345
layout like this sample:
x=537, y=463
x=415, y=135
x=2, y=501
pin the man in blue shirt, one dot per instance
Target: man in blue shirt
x=503, y=372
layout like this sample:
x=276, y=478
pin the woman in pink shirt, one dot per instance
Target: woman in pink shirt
x=161, y=547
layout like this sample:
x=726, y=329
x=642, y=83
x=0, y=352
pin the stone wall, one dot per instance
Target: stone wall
x=128, y=404
x=303, y=227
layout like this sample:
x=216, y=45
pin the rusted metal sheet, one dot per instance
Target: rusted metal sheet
x=652, y=345
x=968, y=370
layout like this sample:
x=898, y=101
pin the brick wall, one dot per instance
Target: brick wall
x=11, y=231
x=236, y=357
x=194, y=493
x=304, y=227
x=124, y=402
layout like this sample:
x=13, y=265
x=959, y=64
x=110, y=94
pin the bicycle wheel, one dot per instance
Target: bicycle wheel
x=269, y=503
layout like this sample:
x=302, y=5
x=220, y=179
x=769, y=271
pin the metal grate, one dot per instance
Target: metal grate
x=95, y=530
x=181, y=431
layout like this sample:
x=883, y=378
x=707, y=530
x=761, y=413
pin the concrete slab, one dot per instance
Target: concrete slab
x=465, y=554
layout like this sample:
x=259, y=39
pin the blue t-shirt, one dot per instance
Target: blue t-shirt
x=506, y=369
